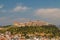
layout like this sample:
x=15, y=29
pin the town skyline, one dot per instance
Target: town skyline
x=30, y=23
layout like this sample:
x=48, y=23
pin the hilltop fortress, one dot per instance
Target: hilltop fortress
x=30, y=23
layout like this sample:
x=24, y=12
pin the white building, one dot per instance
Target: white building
x=18, y=24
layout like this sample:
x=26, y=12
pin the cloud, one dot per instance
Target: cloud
x=1, y=6
x=20, y=9
x=52, y=15
x=48, y=12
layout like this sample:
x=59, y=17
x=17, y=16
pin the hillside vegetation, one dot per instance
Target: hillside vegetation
x=45, y=30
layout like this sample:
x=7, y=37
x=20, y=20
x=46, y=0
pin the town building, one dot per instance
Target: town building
x=30, y=23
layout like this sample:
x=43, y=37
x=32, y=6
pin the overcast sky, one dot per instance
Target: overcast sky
x=25, y=10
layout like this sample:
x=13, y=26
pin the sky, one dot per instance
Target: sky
x=26, y=10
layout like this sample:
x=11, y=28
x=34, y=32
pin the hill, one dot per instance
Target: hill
x=45, y=30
